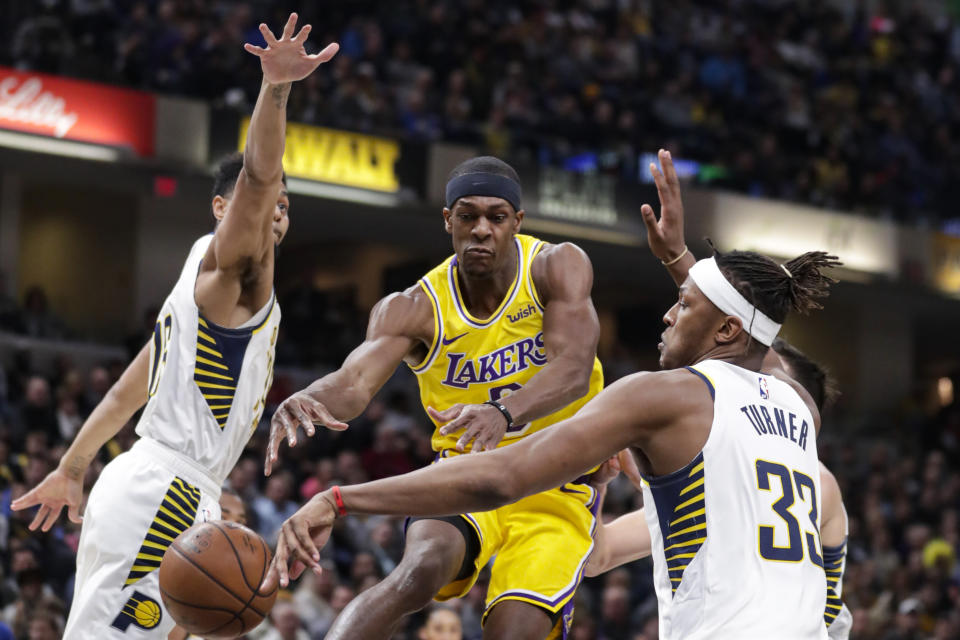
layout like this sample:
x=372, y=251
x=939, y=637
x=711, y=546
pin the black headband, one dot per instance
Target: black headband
x=484, y=184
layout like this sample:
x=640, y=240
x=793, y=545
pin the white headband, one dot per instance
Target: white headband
x=720, y=292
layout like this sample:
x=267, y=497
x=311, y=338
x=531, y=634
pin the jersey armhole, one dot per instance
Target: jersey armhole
x=706, y=379
x=531, y=287
x=423, y=365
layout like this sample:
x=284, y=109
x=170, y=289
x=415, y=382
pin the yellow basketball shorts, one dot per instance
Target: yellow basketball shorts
x=540, y=546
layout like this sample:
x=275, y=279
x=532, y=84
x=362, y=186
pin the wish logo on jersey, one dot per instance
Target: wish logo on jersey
x=505, y=361
x=526, y=312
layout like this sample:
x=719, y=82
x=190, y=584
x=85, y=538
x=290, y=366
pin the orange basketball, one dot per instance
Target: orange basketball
x=210, y=579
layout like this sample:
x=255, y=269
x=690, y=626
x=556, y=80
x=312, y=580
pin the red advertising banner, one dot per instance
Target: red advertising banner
x=77, y=110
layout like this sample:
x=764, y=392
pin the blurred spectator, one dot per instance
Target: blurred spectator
x=44, y=625
x=232, y=507
x=442, y=623
x=37, y=319
x=313, y=596
x=285, y=623
x=275, y=505
x=842, y=88
x=34, y=413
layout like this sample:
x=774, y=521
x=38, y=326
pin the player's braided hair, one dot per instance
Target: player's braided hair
x=777, y=289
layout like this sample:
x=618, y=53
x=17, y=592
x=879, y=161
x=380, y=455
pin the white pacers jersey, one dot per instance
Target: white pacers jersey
x=735, y=533
x=208, y=384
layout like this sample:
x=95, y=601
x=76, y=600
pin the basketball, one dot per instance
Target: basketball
x=210, y=579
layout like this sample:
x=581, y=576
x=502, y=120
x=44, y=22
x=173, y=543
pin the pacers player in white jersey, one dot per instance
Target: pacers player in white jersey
x=623, y=540
x=626, y=539
x=728, y=453
x=203, y=378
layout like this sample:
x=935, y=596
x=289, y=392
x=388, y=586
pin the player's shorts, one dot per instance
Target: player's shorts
x=541, y=544
x=142, y=501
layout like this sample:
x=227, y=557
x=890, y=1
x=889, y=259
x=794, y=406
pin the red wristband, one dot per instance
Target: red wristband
x=338, y=498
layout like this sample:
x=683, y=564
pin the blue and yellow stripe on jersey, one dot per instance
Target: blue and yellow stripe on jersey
x=833, y=566
x=176, y=514
x=681, y=509
x=473, y=360
x=218, y=361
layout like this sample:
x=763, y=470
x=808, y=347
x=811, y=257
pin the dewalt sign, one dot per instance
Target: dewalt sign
x=338, y=157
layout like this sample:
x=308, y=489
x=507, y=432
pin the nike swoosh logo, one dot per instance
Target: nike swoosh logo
x=453, y=339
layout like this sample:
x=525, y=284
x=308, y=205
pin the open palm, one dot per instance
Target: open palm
x=286, y=60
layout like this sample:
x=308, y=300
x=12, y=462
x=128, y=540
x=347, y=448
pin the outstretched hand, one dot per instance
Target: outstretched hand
x=285, y=60
x=298, y=546
x=299, y=410
x=665, y=235
x=56, y=491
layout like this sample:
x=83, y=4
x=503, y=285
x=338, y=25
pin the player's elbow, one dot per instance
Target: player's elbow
x=493, y=490
x=579, y=383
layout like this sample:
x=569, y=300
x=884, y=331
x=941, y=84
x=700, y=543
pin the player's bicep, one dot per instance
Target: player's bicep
x=392, y=335
x=570, y=322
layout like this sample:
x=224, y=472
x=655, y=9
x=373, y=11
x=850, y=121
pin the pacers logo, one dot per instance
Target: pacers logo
x=140, y=610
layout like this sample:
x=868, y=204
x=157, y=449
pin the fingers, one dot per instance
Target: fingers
x=51, y=519
x=25, y=501
x=669, y=172
x=42, y=513
x=307, y=551
x=446, y=415
x=456, y=425
x=273, y=446
x=327, y=53
x=268, y=35
x=254, y=49
x=301, y=417
x=272, y=579
x=304, y=32
x=629, y=467
x=468, y=437
x=614, y=465
x=649, y=219
x=289, y=27
x=289, y=427
x=322, y=414
x=73, y=512
x=281, y=560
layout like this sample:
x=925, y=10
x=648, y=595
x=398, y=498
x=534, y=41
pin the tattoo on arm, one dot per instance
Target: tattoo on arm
x=280, y=93
x=77, y=465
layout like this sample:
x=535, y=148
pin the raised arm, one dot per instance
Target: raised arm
x=564, y=277
x=665, y=236
x=243, y=242
x=624, y=414
x=399, y=326
x=63, y=487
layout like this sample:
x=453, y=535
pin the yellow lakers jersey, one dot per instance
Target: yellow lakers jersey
x=473, y=360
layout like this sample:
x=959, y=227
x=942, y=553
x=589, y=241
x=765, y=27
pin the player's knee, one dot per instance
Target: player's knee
x=422, y=573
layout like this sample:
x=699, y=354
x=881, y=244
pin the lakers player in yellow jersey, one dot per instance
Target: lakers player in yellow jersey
x=502, y=337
